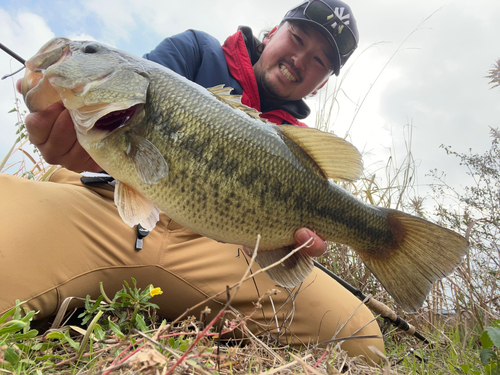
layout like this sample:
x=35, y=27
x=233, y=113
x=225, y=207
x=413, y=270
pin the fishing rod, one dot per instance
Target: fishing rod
x=14, y=55
x=376, y=306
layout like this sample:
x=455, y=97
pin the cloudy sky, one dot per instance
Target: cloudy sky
x=420, y=67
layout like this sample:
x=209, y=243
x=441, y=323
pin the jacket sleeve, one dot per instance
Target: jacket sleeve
x=197, y=56
x=180, y=52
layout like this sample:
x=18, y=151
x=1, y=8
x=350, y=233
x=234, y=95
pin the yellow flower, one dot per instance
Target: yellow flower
x=155, y=291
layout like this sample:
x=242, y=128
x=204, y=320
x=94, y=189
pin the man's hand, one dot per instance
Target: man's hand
x=317, y=246
x=53, y=133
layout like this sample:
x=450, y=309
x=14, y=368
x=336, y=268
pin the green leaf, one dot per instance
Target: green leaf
x=87, y=305
x=27, y=361
x=55, y=336
x=99, y=333
x=4, y=317
x=149, y=304
x=35, y=347
x=486, y=356
x=115, y=329
x=485, y=340
x=127, y=286
x=494, y=335
x=171, y=342
x=124, y=295
x=141, y=324
x=11, y=356
x=48, y=356
x=17, y=311
x=12, y=110
x=74, y=344
x=86, y=318
x=12, y=326
x=27, y=335
x=29, y=316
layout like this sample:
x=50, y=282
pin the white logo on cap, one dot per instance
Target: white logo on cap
x=339, y=12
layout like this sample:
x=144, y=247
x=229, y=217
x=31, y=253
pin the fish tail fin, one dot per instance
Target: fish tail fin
x=292, y=271
x=421, y=253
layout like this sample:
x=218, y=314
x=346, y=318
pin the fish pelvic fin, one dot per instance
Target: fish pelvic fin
x=289, y=273
x=337, y=158
x=149, y=163
x=134, y=208
x=421, y=253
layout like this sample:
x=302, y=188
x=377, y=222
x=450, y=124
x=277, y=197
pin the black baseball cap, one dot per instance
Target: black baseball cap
x=334, y=20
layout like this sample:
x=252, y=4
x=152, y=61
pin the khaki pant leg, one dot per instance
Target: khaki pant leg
x=60, y=239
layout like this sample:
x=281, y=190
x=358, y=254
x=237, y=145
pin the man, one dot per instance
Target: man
x=72, y=237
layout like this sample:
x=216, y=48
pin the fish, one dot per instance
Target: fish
x=211, y=164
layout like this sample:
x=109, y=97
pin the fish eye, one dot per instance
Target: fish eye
x=90, y=48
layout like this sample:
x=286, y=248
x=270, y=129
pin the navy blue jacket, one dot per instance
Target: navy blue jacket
x=197, y=56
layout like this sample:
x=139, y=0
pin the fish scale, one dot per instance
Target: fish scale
x=212, y=165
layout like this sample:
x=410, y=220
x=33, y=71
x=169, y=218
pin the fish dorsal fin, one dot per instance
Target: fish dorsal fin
x=224, y=95
x=148, y=160
x=134, y=208
x=337, y=158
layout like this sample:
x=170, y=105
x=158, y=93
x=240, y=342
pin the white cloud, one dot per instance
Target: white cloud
x=116, y=16
x=24, y=33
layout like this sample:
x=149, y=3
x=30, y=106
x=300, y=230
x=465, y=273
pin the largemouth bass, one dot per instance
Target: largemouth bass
x=213, y=166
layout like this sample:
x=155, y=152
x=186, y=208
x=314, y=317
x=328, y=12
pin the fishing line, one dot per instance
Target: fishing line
x=14, y=55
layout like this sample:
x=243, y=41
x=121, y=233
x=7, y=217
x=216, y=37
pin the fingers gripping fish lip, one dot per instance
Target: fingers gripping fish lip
x=49, y=54
x=34, y=81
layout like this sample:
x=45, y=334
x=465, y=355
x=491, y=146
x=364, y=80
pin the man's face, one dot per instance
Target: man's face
x=295, y=62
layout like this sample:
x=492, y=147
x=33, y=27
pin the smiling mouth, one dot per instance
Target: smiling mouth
x=287, y=73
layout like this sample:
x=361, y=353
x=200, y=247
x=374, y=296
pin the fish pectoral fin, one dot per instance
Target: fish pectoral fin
x=149, y=163
x=421, y=252
x=337, y=158
x=134, y=208
x=234, y=101
x=289, y=273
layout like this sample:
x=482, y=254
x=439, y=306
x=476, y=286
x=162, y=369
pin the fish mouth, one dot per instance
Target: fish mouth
x=116, y=119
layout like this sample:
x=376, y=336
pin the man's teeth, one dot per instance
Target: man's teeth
x=287, y=74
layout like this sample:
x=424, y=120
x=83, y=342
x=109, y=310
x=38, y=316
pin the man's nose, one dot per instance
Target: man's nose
x=300, y=60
